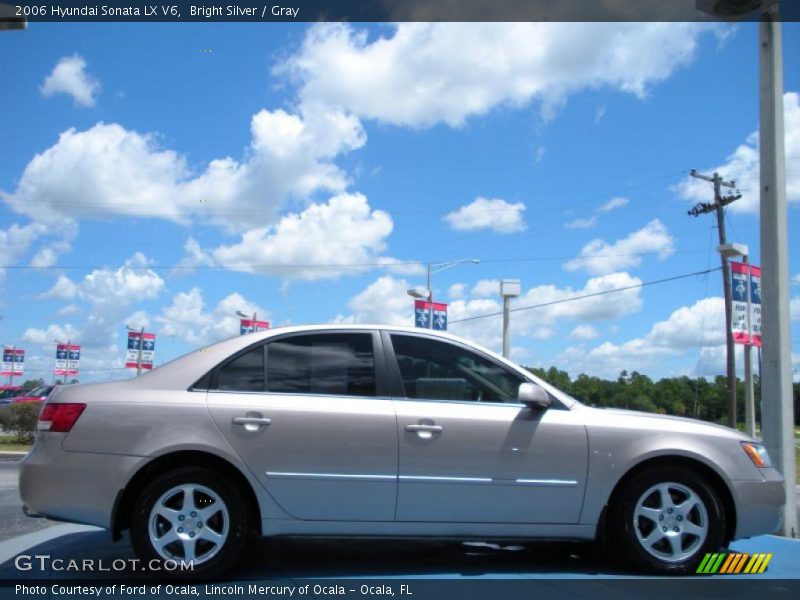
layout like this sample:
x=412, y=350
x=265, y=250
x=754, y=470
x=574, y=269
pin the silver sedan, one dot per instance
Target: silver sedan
x=384, y=431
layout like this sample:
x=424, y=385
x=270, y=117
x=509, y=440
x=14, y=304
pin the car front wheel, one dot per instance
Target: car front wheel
x=189, y=516
x=667, y=519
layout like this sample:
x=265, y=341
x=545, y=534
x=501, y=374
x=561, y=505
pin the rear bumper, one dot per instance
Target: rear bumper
x=78, y=487
x=758, y=504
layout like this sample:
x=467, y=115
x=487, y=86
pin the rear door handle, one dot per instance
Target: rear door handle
x=429, y=428
x=251, y=421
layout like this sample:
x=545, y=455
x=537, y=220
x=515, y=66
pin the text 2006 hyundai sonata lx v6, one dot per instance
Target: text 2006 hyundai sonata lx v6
x=384, y=431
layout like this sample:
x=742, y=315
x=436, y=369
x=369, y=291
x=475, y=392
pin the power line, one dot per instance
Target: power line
x=333, y=265
x=592, y=295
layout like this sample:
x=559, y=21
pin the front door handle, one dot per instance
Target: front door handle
x=422, y=427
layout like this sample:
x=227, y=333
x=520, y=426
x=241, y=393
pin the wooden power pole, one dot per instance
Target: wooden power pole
x=718, y=207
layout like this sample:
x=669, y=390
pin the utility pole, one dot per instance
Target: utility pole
x=718, y=206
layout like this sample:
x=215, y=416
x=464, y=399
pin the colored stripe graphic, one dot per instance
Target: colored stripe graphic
x=732, y=558
x=741, y=562
x=733, y=563
x=765, y=563
x=702, y=566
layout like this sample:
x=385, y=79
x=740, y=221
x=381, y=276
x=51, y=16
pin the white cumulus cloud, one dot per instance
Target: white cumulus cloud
x=598, y=256
x=743, y=165
x=109, y=293
x=492, y=214
x=383, y=302
x=699, y=327
x=583, y=332
x=613, y=204
x=69, y=77
x=421, y=74
x=486, y=288
x=110, y=170
x=314, y=244
x=581, y=223
x=188, y=319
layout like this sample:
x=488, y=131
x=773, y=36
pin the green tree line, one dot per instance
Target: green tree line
x=696, y=397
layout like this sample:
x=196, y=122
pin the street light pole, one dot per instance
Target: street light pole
x=430, y=298
x=436, y=268
x=509, y=288
x=749, y=395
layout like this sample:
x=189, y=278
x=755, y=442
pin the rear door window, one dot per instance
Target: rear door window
x=339, y=364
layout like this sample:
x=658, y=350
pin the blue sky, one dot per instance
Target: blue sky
x=308, y=172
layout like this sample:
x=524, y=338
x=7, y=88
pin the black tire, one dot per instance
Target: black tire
x=679, y=545
x=211, y=491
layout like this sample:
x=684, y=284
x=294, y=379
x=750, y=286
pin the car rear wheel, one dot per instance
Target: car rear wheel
x=667, y=519
x=190, y=516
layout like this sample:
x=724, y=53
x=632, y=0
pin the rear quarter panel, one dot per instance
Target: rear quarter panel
x=151, y=423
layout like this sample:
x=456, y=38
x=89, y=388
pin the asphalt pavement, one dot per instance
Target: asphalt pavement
x=13, y=521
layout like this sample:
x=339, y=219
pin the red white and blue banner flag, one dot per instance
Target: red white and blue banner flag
x=744, y=283
x=67, y=358
x=148, y=350
x=13, y=361
x=249, y=326
x=422, y=315
x=755, y=305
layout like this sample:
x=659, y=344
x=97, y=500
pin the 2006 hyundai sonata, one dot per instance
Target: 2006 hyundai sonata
x=384, y=431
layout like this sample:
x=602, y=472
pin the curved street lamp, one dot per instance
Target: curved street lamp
x=427, y=294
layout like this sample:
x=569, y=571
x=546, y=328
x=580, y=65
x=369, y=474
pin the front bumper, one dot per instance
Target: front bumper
x=79, y=487
x=758, y=504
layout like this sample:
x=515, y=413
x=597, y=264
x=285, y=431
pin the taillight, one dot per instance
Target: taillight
x=60, y=417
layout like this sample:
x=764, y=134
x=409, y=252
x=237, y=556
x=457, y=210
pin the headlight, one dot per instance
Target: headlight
x=757, y=453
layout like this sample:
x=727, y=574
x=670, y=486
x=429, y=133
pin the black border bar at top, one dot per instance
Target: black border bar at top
x=16, y=14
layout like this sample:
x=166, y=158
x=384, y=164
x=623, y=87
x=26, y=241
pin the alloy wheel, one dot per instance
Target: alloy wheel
x=670, y=521
x=189, y=522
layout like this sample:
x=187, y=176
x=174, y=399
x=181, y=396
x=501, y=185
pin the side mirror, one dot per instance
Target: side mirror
x=532, y=396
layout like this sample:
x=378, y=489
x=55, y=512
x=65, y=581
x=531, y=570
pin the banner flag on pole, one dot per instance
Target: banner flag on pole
x=739, y=287
x=422, y=314
x=67, y=359
x=148, y=350
x=250, y=326
x=742, y=286
x=13, y=361
x=755, y=305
